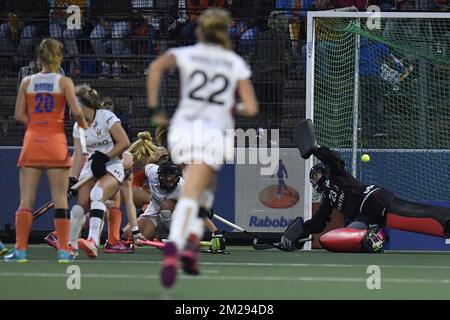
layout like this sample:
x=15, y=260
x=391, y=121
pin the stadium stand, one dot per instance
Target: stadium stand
x=119, y=38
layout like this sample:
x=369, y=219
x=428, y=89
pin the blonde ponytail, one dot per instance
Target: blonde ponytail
x=50, y=54
x=88, y=96
x=143, y=148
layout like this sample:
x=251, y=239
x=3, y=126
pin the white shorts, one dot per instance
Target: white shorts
x=151, y=209
x=199, y=141
x=114, y=168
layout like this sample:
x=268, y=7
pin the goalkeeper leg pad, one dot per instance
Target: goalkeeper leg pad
x=420, y=225
x=354, y=240
x=420, y=218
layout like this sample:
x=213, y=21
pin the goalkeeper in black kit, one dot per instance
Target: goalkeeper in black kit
x=369, y=207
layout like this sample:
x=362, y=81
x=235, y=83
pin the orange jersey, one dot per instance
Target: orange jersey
x=45, y=143
x=139, y=179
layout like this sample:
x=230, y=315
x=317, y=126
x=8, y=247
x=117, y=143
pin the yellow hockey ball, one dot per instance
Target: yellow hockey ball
x=365, y=158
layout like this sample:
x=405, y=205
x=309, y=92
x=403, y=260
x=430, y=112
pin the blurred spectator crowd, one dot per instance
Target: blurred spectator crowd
x=119, y=38
x=111, y=30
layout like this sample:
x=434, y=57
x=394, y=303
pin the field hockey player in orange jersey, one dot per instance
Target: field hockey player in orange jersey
x=40, y=106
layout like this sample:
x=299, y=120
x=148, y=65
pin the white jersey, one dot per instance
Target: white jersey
x=209, y=75
x=159, y=195
x=98, y=137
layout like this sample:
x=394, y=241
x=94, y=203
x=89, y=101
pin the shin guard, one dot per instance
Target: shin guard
x=343, y=240
x=354, y=240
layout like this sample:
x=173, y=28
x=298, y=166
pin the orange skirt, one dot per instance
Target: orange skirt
x=44, y=150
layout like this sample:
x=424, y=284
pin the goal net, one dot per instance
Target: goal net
x=381, y=85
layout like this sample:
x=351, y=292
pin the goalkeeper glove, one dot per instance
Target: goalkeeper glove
x=218, y=241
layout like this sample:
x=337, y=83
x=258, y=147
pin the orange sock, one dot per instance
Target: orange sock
x=24, y=220
x=114, y=222
x=55, y=233
x=63, y=230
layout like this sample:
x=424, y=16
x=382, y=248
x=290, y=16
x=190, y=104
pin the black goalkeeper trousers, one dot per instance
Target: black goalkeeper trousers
x=384, y=208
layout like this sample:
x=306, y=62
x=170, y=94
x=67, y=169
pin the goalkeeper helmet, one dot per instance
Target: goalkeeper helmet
x=317, y=174
x=168, y=175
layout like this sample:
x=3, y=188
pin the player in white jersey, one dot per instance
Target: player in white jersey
x=165, y=185
x=106, y=140
x=210, y=74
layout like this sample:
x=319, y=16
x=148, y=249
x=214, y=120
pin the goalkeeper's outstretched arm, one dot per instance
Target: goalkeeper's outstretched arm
x=332, y=159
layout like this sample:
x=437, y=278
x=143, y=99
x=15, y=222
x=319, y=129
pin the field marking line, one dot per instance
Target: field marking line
x=227, y=278
x=259, y=264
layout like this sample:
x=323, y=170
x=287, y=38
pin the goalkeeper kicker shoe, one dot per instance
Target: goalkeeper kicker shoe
x=89, y=247
x=17, y=256
x=190, y=255
x=170, y=265
x=374, y=240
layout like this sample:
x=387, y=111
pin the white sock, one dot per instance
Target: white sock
x=207, y=199
x=185, y=212
x=197, y=228
x=95, y=229
x=77, y=219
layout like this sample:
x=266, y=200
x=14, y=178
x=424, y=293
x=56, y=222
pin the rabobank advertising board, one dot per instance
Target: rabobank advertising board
x=267, y=195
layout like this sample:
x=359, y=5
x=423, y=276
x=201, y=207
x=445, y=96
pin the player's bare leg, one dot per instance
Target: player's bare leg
x=141, y=197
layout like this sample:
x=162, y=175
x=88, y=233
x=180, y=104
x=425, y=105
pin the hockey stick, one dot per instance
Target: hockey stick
x=251, y=235
x=83, y=141
x=47, y=206
x=160, y=245
x=265, y=246
x=70, y=195
x=150, y=243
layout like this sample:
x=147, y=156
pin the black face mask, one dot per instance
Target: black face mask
x=168, y=182
x=318, y=186
x=317, y=178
